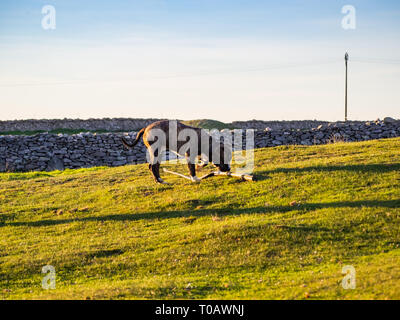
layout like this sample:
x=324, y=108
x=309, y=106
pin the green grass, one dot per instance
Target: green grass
x=113, y=233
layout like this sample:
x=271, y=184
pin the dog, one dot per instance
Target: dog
x=189, y=142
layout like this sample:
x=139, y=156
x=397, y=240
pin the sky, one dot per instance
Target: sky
x=192, y=59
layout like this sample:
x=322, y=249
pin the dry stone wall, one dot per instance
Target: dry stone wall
x=46, y=151
x=105, y=124
x=59, y=151
x=277, y=125
x=329, y=133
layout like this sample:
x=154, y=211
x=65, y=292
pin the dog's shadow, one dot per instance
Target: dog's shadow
x=261, y=177
x=209, y=212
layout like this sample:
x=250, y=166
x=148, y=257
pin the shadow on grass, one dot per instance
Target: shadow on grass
x=379, y=168
x=220, y=212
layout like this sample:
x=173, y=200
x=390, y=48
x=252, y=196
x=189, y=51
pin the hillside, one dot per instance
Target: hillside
x=208, y=124
x=112, y=233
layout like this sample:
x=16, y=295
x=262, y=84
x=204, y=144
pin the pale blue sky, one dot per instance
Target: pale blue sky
x=226, y=60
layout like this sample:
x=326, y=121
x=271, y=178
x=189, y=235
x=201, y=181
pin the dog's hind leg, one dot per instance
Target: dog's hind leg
x=155, y=171
x=154, y=167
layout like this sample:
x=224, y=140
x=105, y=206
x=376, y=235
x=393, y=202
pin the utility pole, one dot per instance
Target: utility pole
x=346, y=58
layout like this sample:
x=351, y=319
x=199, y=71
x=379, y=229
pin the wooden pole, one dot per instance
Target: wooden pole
x=346, y=58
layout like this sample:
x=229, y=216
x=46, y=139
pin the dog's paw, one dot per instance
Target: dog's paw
x=195, y=179
x=159, y=180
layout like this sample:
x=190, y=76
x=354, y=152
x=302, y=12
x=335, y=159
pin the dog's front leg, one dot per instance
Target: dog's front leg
x=192, y=169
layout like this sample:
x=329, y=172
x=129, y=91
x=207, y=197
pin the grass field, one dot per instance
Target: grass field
x=113, y=233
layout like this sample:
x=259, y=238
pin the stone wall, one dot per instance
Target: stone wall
x=277, y=125
x=130, y=124
x=58, y=151
x=46, y=151
x=329, y=133
x=106, y=124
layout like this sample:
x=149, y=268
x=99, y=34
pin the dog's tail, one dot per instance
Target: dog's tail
x=138, y=136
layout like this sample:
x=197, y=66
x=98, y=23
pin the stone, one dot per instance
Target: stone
x=389, y=120
x=118, y=163
x=2, y=166
x=277, y=142
x=55, y=164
